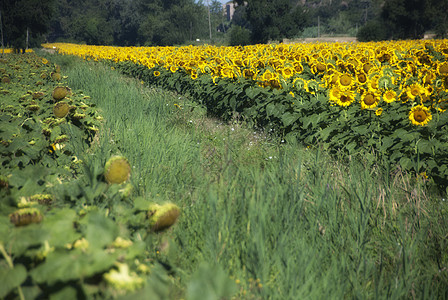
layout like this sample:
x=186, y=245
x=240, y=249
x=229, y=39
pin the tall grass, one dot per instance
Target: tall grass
x=285, y=222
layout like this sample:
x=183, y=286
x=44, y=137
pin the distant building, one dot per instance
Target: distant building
x=229, y=9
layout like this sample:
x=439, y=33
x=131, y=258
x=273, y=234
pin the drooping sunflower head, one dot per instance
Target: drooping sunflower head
x=61, y=109
x=299, y=83
x=319, y=67
x=162, y=217
x=26, y=216
x=275, y=83
x=59, y=93
x=56, y=76
x=117, y=170
x=420, y=115
x=385, y=82
x=312, y=86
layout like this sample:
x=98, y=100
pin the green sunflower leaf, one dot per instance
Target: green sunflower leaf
x=11, y=278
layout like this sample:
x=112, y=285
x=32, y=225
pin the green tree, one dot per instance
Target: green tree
x=274, y=20
x=171, y=22
x=24, y=20
x=405, y=19
x=436, y=11
x=86, y=21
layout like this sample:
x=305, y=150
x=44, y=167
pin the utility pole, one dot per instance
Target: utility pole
x=209, y=21
x=27, y=38
x=1, y=30
x=318, y=26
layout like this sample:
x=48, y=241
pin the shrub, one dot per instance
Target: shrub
x=239, y=36
x=372, y=31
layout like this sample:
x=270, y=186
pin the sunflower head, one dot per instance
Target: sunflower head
x=56, y=76
x=414, y=90
x=369, y=100
x=389, y=96
x=420, y=115
x=117, y=170
x=341, y=97
x=346, y=81
x=287, y=72
x=320, y=67
x=25, y=216
x=163, y=216
x=299, y=83
x=268, y=75
x=61, y=109
x=60, y=93
x=385, y=82
x=366, y=67
x=442, y=68
x=361, y=78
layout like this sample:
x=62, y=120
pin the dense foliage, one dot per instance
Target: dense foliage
x=176, y=22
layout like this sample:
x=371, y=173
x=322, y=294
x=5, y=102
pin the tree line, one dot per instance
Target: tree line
x=175, y=22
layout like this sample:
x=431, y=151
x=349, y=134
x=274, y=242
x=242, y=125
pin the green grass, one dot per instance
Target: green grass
x=283, y=221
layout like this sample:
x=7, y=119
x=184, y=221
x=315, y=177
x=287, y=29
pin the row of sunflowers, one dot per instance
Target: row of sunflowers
x=390, y=97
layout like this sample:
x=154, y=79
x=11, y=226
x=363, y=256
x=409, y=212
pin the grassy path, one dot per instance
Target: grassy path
x=282, y=221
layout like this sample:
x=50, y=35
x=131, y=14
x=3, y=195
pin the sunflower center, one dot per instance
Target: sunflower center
x=320, y=67
x=362, y=78
x=334, y=78
x=419, y=116
x=389, y=95
x=344, y=98
x=369, y=99
x=366, y=67
x=443, y=68
x=414, y=91
x=345, y=80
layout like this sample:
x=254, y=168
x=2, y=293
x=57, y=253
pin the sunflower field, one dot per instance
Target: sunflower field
x=389, y=98
x=97, y=166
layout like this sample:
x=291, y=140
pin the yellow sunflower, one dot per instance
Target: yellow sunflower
x=420, y=115
x=346, y=81
x=442, y=68
x=287, y=72
x=369, y=100
x=268, y=75
x=156, y=73
x=342, y=98
x=173, y=69
x=414, y=90
x=389, y=96
x=334, y=94
x=361, y=78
